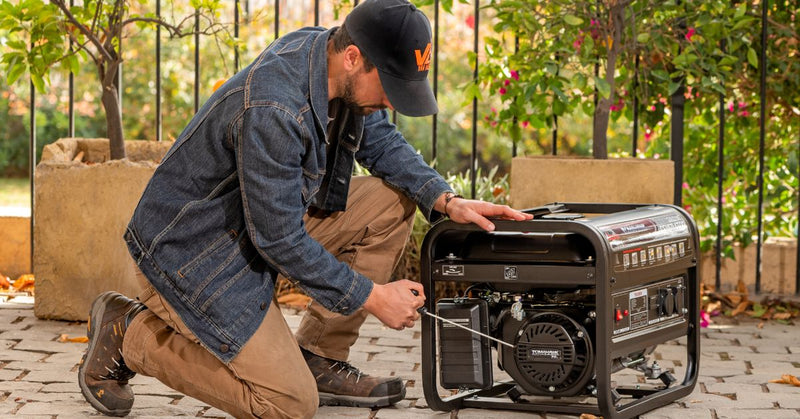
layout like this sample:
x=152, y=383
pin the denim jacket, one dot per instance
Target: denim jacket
x=223, y=213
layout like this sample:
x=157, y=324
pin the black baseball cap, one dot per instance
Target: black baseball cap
x=396, y=37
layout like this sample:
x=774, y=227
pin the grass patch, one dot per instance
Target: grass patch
x=15, y=192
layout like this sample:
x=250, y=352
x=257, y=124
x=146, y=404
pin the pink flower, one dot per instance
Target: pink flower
x=742, y=105
x=652, y=108
x=705, y=319
x=494, y=123
x=506, y=82
x=502, y=90
x=578, y=42
x=730, y=106
x=494, y=110
x=515, y=75
x=744, y=113
x=685, y=185
x=689, y=34
x=648, y=135
x=470, y=21
x=524, y=124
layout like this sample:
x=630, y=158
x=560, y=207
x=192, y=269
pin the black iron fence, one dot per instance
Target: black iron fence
x=676, y=132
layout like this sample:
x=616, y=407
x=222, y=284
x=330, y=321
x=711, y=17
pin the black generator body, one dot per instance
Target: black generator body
x=579, y=293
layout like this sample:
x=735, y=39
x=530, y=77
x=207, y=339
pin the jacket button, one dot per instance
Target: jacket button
x=224, y=348
x=263, y=306
x=341, y=180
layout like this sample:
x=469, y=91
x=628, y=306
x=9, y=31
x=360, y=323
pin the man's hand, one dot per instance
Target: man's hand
x=465, y=211
x=394, y=304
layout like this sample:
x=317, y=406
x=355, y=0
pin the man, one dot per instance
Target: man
x=259, y=185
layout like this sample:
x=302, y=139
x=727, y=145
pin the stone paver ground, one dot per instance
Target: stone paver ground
x=38, y=374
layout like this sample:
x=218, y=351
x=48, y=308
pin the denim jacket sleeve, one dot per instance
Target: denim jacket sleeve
x=277, y=182
x=385, y=153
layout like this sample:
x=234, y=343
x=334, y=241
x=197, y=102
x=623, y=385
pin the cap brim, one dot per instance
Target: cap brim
x=409, y=97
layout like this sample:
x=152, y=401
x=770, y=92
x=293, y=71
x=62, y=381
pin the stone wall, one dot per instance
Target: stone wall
x=778, y=267
x=81, y=211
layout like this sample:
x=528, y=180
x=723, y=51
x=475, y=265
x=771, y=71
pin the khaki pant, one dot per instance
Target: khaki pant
x=269, y=377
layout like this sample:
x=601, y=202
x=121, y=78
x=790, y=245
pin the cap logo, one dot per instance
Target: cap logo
x=423, y=58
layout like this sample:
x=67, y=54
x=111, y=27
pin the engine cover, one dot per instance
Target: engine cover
x=553, y=354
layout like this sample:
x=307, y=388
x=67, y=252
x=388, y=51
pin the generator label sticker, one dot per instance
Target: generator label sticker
x=453, y=270
x=510, y=273
x=546, y=354
x=638, y=308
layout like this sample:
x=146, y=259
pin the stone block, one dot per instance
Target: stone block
x=81, y=212
x=543, y=179
x=778, y=266
x=15, y=245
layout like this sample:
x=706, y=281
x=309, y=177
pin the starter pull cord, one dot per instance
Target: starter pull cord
x=423, y=310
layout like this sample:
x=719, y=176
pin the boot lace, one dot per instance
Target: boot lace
x=345, y=366
x=119, y=371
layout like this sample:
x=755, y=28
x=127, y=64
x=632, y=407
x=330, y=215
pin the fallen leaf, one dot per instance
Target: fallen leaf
x=24, y=283
x=741, y=308
x=787, y=379
x=5, y=281
x=741, y=288
x=295, y=300
x=64, y=338
x=589, y=416
x=782, y=316
x=760, y=325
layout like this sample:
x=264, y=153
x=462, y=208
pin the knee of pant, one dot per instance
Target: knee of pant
x=300, y=404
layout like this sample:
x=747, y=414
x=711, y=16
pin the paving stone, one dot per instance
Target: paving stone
x=672, y=412
x=739, y=413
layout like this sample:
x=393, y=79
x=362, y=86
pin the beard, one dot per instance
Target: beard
x=349, y=100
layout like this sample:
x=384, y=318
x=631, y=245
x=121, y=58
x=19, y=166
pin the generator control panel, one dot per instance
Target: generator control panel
x=641, y=309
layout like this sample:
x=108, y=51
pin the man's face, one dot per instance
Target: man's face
x=363, y=92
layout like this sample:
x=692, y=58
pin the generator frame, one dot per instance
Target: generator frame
x=605, y=281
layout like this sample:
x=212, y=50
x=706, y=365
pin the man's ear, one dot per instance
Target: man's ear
x=352, y=58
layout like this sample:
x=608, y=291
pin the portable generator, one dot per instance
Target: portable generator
x=558, y=304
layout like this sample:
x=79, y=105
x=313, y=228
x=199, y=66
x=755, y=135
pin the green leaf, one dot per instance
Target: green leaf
x=741, y=10
x=573, y=20
x=673, y=87
x=661, y=74
x=752, y=58
x=643, y=38
x=603, y=87
x=15, y=72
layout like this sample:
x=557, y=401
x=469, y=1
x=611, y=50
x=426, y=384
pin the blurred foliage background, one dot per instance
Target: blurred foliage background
x=542, y=69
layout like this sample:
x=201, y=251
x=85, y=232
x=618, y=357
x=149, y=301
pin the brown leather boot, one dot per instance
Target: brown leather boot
x=103, y=375
x=341, y=384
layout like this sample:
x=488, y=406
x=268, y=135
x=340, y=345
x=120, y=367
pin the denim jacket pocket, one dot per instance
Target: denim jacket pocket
x=223, y=240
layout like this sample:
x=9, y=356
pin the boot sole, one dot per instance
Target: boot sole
x=328, y=399
x=95, y=318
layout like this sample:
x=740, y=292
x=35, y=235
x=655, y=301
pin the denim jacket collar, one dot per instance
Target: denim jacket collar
x=318, y=81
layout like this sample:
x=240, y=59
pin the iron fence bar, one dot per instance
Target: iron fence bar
x=236, y=36
x=514, y=143
x=720, y=175
x=32, y=161
x=71, y=104
x=277, y=17
x=196, y=60
x=635, y=106
x=555, y=117
x=474, y=156
x=434, y=118
x=158, y=72
x=797, y=258
x=677, y=102
x=762, y=67
x=316, y=12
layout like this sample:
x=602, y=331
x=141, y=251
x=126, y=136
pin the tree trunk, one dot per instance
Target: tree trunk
x=601, y=113
x=111, y=105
